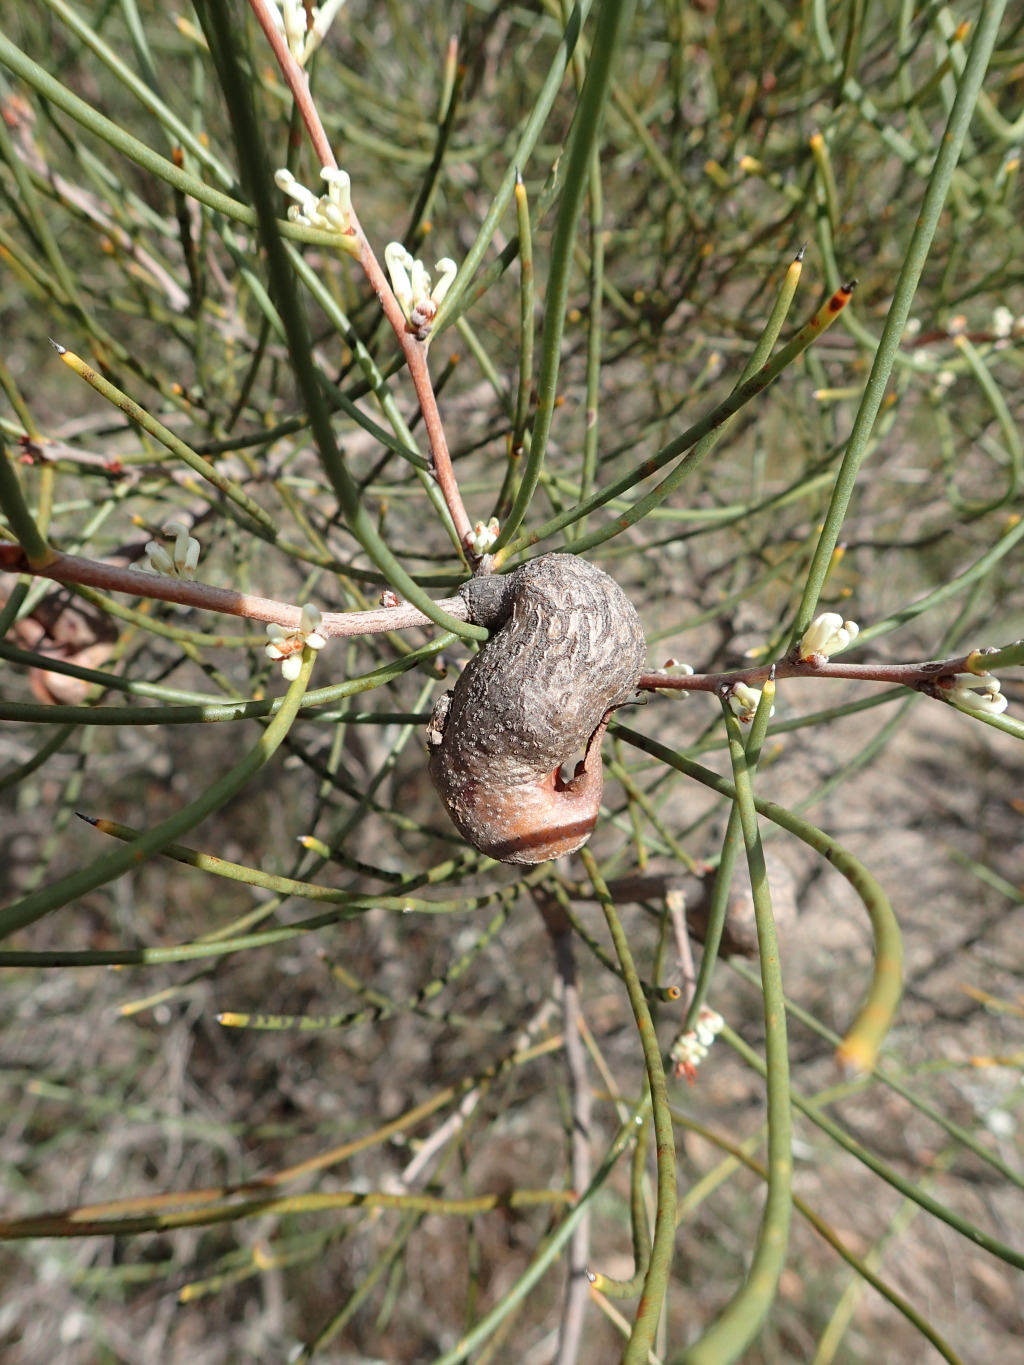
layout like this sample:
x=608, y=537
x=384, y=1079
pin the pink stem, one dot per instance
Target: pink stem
x=906, y=675
x=415, y=351
x=109, y=578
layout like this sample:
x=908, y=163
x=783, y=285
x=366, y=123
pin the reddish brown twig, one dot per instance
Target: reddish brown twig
x=91, y=573
x=415, y=351
x=916, y=676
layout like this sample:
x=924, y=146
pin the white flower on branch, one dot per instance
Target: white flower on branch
x=483, y=537
x=976, y=692
x=709, y=1025
x=179, y=562
x=672, y=668
x=290, y=20
x=287, y=645
x=1002, y=322
x=410, y=280
x=330, y=212
x=690, y=1048
x=944, y=381
x=825, y=636
x=744, y=701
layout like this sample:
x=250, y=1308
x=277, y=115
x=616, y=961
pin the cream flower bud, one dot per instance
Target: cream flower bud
x=310, y=622
x=1002, y=322
x=306, y=199
x=186, y=549
x=295, y=26
x=674, y=669
x=181, y=561
x=399, y=262
x=419, y=277
x=410, y=280
x=483, y=537
x=744, y=701
x=827, y=635
x=159, y=560
x=709, y=1025
x=330, y=212
x=339, y=196
x=944, y=381
x=976, y=692
x=323, y=18
x=446, y=271
x=690, y=1048
x=289, y=18
x=286, y=645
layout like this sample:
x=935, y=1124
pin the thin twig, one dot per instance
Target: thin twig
x=913, y=675
x=577, y=1289
x=416, y=1170
x=675, y=904
x=92, y=573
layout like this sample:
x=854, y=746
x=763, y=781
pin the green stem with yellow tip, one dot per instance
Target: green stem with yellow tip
x=862, y=1041
x=30, y=908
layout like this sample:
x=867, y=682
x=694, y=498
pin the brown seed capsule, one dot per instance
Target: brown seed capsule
x=567, y=650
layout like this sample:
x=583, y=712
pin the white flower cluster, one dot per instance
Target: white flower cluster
x=1005, y=325
x=290, y=20
x=744, y=701
x=483, y=537
x=976, y=692
x=825, y=636
x=410, y=279
x=180, y=562
x=944, y=381
x=672, y=668
x=690, y=1048
x=330, y=212
x=287, y=645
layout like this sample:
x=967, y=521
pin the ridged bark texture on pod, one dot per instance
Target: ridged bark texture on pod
x=568, y=648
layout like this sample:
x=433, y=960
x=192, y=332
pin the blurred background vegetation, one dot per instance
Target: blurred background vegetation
x=734, y=135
